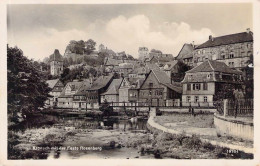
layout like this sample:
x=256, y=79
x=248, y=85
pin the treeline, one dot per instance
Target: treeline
x=81, y=47
x=89, y=60
x=27, y=87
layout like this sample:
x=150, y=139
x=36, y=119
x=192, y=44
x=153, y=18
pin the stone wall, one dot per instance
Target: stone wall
x=234, y=128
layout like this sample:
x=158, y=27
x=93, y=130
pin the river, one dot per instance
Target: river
x=81, y=138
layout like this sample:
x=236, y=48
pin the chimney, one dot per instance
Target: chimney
x=248, y=30
x=210, y=37
x=193, y=44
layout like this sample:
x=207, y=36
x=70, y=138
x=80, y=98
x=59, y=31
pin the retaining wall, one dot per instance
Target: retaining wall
x=234, y=128
x=155, y=127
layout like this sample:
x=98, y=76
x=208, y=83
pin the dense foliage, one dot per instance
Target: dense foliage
x=81, y=47
x=27, y=89
x=179, y=76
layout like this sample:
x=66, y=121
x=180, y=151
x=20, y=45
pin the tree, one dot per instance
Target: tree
x=179, y=76
x=90, y=46
x=27, y=90
x=106, y=109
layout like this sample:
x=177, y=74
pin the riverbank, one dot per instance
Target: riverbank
x=199, y=130
x=73, y=137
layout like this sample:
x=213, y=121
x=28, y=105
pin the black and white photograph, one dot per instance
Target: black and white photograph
x=130, y=81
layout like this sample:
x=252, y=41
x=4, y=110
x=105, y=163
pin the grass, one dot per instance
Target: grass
x=187, y=120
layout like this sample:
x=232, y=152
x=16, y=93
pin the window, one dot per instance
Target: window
x=196, y=86
x=188, y=87
x=150, y=85
x=188, y=98
x=203, y=51
x=196, y=99
x=231, y=55
x=199, y=52
x=223, y=56
x=205, y=99
x=205, y=86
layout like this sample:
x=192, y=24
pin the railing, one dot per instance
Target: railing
x=240, y=107
x=171, y=104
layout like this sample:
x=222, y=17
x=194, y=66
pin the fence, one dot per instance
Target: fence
x=167, y=103
x=240, y=107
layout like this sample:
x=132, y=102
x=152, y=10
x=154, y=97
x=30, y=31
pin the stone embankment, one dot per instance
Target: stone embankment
x=155, y=127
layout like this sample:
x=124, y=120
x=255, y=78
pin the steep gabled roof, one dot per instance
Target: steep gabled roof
x=165, y=80
x=75, y=86
x=52, y=83
x=210, y=65
x=185, y=51
x=101, y=82
x=228, y=39
x=85, y=86
x=113, y=87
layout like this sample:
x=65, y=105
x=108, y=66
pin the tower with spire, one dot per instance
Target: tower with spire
x=56, y=63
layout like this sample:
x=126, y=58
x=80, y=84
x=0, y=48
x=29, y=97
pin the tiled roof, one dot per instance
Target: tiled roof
x=185, y=51
x=209, y=66
x=85, y=86
x=170, y=65
x=52, y=83
x=187, y=56
x=228, y=39
x=113, y=87
x=165, y=57
x=112, y=62
x=101, y=82
x=75, y=86
x=163, y=78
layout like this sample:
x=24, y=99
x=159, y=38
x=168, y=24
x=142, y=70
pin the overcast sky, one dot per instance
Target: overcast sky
x=39, y=29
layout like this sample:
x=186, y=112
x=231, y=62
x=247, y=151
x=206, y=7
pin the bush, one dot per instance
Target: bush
x=192, y=142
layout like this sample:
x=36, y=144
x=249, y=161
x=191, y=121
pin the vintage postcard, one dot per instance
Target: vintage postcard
x=150, y=82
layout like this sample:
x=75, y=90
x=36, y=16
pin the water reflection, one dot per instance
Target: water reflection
x=112, y=124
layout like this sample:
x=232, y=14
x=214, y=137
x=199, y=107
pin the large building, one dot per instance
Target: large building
x=112, y=93
x=186, y=54
x=97, y=87
x=234, y=50
x=56, y=63
x=158, y=90
x=201, y=83
x=143, y=53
